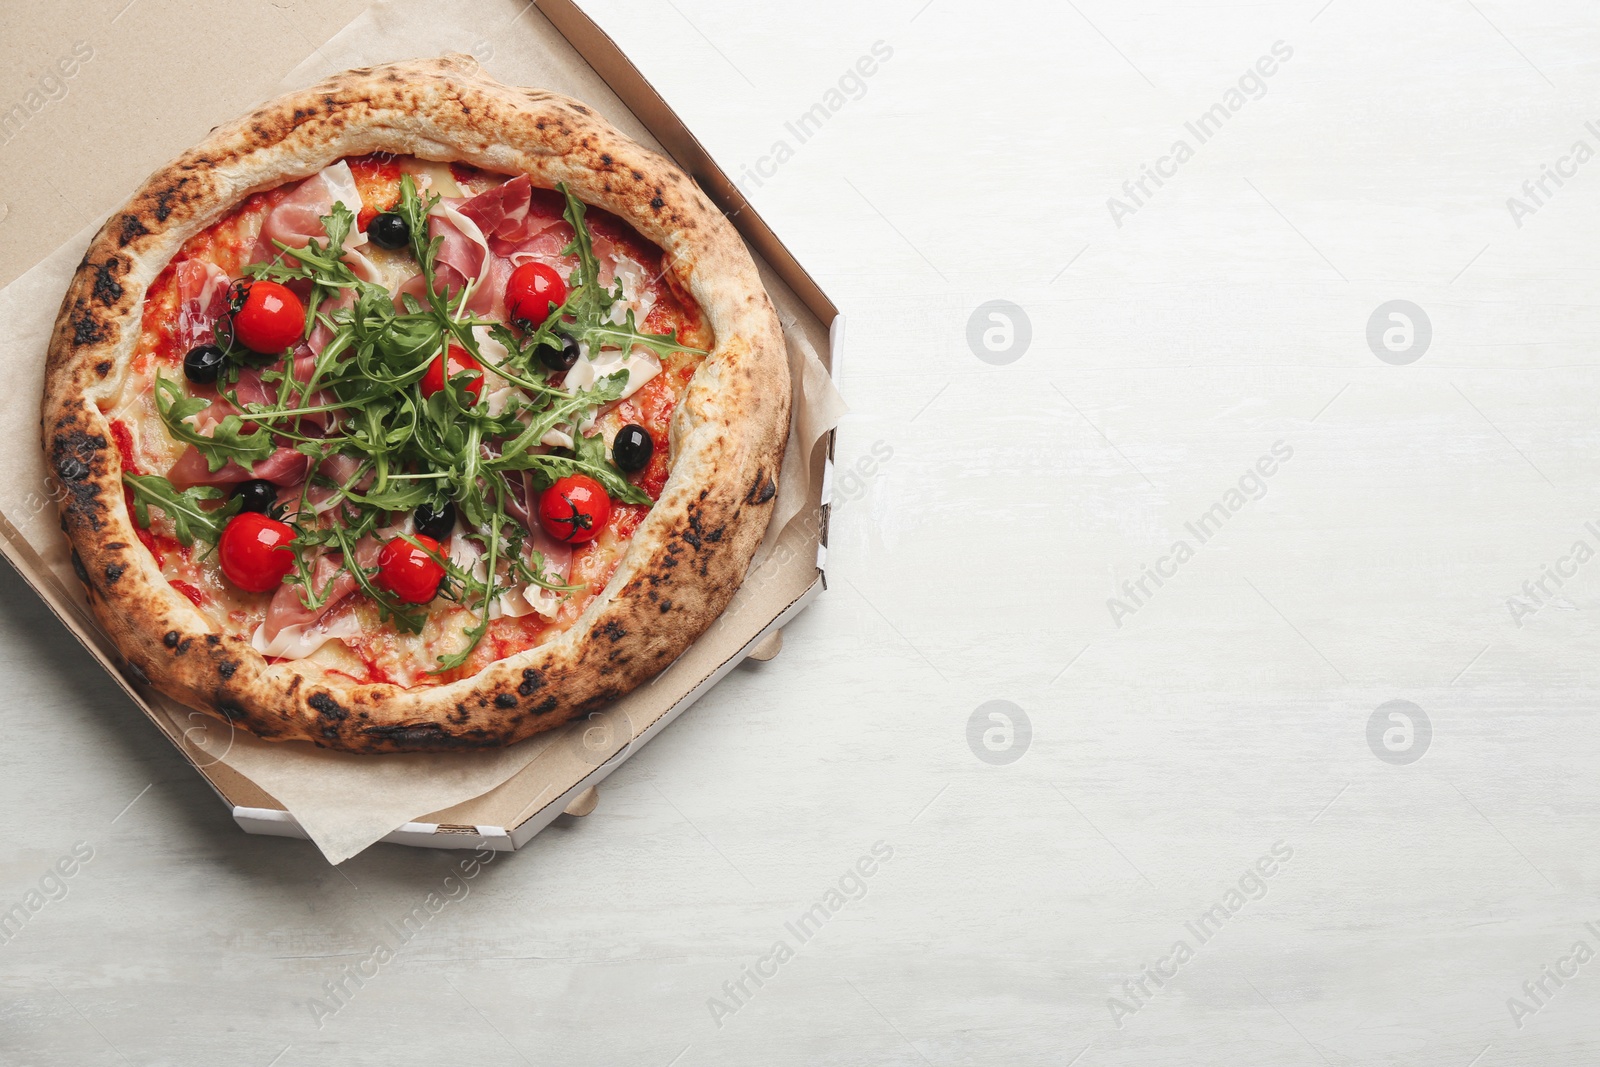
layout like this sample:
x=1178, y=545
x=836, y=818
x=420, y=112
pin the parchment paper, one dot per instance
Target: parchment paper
x=346, y=802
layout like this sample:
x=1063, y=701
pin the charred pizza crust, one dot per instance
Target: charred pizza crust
x=687, y=557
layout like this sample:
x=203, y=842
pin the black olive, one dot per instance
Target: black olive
x=435, y=522
x=561, y=358
x=256, y=495
x=389, y=231
x=203, y=363
x=632, y=448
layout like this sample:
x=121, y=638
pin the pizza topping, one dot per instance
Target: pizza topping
x=356, y=458
x=410, y=568
x=254, y=552
x=267, y=318
x=193, y=595
x=512, y=212
x=574, y=509
x=463, y=370
x=635, y=286
x=389, y=231
x=202, y=362
x=460, y=258
x=192, y=512
x=282, y=466
x=202, y=291
x=321, y=587
x=559, y=353
x=297, y=219
x=377, y=180
x=632, y=448
x=258, y=495
x=544, y=595
x=557, y=554
x=302, y=639
x=639, y=367
x=533, y=291
x=435, y=521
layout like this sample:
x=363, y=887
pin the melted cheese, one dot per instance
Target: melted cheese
x=299, y=641
x=514, y=602
x=592, y=367
x=433, y=176
x=342, y=184
x=636, y=291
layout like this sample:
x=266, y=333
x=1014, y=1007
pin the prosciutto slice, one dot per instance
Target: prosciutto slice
x=289, y=609
x=321, y=334
x=463, y=259
x=283, y=467
x=339, y=468
x=543, y=247
x=486, y=237
x=202, y=298
x=514, y=212
x=557, y=555
x=250, y=389
x=298, y=219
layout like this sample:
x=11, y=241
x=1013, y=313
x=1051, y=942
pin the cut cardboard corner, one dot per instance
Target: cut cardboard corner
x=769, y=647
x=563, y=779
x=584, y=803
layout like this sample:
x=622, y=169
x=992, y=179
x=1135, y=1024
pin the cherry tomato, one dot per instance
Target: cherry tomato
x=574, y=509
x=408, y=572
x=460, y=360
x=533, y=291
x=254, y=551
x=267, y=317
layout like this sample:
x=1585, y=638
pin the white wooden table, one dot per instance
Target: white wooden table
x=1171, y=748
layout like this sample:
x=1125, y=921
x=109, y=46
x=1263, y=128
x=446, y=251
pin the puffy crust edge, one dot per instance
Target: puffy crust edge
x=686, y=559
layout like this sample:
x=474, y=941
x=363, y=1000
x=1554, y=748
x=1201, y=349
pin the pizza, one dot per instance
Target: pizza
x=413, y=412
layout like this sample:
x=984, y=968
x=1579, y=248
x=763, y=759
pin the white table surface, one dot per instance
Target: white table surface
x=1227, y=714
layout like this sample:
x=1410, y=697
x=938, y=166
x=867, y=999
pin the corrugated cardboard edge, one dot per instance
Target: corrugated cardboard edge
x=252, y=808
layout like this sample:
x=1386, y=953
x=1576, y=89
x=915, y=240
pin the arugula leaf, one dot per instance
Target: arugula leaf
x=227, y=441
x=185, y=508
x=396, y=496
x=627, y=335
x=415, y=210
x=587, y=312
x=475, y=633
x=589, y=301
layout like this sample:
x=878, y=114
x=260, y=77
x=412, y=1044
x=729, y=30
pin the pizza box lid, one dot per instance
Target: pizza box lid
x=564, y=777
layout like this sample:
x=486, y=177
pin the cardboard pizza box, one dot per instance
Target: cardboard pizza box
x=564, y=777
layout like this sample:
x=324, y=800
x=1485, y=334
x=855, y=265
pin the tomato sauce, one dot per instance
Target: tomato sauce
x=378, y=181
x=228, y=243
x=187, y=589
